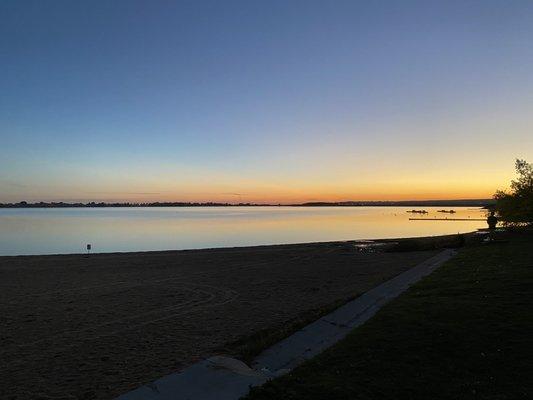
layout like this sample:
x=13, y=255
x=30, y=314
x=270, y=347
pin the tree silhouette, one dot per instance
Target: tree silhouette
x=516, y=207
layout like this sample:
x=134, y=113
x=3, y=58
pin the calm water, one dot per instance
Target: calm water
x=50, y=231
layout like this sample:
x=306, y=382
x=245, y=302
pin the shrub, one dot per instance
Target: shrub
x=516, y=207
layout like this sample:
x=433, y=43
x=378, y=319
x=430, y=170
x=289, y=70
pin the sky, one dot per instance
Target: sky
x=263, y=101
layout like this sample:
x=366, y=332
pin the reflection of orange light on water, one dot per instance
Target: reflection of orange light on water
x=136, y=229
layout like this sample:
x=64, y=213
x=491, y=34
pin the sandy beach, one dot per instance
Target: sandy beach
x=93, y=327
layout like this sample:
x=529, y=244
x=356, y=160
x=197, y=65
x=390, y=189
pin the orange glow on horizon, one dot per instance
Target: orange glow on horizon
x=294, y=197
x=292, y=190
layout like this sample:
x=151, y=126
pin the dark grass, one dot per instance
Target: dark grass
x=465, y=332
x=249, y=347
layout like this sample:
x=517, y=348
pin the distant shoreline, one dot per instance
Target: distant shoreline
x=407, y=203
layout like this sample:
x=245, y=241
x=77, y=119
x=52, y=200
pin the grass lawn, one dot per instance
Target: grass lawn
x=465, y=332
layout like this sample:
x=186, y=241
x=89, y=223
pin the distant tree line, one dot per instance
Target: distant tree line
x=92, y=204
x=412, y=203
x=406, y=203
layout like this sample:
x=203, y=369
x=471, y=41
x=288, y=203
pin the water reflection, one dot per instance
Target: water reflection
x=48, y=231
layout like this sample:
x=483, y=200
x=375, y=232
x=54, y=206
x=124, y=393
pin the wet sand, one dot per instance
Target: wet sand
x=93, y=327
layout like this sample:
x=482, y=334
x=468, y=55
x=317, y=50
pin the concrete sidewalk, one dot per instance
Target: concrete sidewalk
x=223, y=378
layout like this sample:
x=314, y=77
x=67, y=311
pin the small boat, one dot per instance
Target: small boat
x=417, y=211
x=447, y=211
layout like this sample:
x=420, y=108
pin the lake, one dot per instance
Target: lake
x=69, y=230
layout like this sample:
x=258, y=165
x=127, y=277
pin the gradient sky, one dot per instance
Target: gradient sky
x=263, y=101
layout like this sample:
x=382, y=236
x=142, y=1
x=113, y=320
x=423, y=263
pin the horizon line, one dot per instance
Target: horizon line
x=92, y=203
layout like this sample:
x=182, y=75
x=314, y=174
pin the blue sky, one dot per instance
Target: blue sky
x=271, y=100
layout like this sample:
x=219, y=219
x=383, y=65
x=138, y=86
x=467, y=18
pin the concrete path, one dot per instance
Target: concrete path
x=223, y=378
